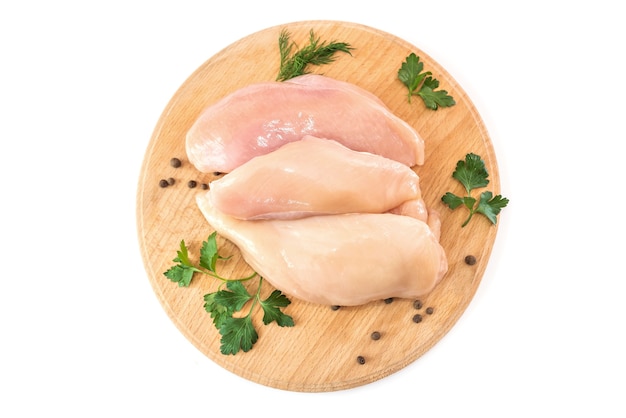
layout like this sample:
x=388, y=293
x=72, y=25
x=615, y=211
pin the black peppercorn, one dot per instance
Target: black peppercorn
x=388, y=300
x=429, y=310
x=192, y=184
x=417, y=318
x=163, y=183
x=417, y=304
x=375, y=335
x=171, y=181
x=470, y=260
x=204, y=186
x=334, y=307
x=175, y=162
x=360, y=359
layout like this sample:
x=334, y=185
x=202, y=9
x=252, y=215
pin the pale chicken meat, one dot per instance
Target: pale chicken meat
x=261, y=117
x=344, y=260
x=316, y=176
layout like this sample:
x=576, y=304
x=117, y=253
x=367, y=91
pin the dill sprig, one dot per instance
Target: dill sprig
x=293, y=64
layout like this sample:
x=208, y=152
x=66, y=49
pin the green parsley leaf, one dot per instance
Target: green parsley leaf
x=235, y=297
x=472, y=174
x=454, y=201
x=434, y=99
x=237, y=334
x=180, y=274
x=271, y=309
x=410, y=73
x=422, y=84
x=183, y=271
x=293, y=64
x=491, y=206
x=183, y=254
x=219, y=313
x=208, y=253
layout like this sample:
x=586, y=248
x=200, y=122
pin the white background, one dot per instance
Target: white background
x=82, y=85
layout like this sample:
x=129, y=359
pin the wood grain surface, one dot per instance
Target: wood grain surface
x=320, y=352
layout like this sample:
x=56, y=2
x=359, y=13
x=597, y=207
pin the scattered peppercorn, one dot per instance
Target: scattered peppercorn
x=192, y=184
x=388, y=300
x=375, y=335
x=470, y=260
x=360, y=359
x=204, y=186
x=429, y=310
x=335, y=307
x=175, y=162
x=163, y=183
x=171, y=181
x=217, y=173
x=417, y=304
x=417, y=318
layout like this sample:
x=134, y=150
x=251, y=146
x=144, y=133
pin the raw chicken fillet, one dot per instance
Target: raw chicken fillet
x=260, y=118
x=345, y=259
x=316, y=176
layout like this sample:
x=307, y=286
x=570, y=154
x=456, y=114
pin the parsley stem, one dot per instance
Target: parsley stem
x=218, y=277
x=468, y=219
x=257, y=296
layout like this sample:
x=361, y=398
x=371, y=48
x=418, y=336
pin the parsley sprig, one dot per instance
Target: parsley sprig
x=472, y=174
x=238, y=332
x=422, y=84
x=295, y=62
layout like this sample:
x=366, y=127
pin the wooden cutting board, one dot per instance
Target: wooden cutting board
x=320, y=352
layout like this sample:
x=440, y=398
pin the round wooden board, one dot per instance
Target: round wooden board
x=320, y=352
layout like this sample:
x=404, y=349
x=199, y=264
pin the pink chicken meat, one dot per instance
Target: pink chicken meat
x=345, y=259
x=316, y=176
x=260, y=118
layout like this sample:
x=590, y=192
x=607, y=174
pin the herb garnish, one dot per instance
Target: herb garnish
x=422, y=84
x=293, y=64
x=238, y=333
x=473, y=174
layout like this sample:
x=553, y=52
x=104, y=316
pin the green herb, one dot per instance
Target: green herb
x=183, y=271
x=295, y=62
x=472, y=174
x=238, y=333
x=422, y=84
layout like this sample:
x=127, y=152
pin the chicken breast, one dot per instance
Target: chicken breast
x=316, y=176
x=261, y=117
x=345, y=259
